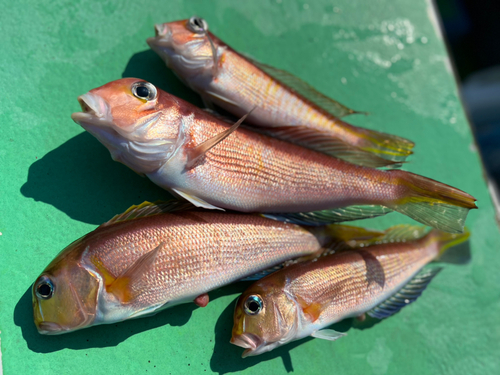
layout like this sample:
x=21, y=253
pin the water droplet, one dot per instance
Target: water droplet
x=423, y=40
x=343, y=80
x=305, y=6
x=453, y=120
x=401, y=46
x=390, y=27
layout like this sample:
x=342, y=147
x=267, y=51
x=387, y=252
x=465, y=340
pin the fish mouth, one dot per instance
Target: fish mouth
x=162, y=38
x=161, y=30
x=50, y=328
x=248, y=341
x=93, y=108
x=96, y=118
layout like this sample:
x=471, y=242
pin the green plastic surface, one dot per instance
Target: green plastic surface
x=58, y=182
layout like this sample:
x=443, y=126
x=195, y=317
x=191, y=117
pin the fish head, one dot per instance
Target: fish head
x=65, y=294
x=186, y=48
x=137, y=122
x=264, y=319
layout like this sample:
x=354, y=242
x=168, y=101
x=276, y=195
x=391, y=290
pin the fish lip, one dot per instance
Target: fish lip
x=247, y=341
x=95, y=106
x=162, y=29
x=96, y=113
x=162, y=38
x=50, y=328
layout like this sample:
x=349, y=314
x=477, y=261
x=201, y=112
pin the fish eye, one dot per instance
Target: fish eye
x=253, y=305
x=197, y=25
x=144, y=91
x=44, y=288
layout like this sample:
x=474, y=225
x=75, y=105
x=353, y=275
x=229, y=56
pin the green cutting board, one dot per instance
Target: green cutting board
x=57, y=182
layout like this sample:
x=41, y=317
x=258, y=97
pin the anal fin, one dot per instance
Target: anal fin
x=326, y=143
x=336, y=215
x=408, y=294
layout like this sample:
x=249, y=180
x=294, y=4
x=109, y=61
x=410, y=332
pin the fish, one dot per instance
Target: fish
x=378, y=280
x=158, y=255
x=216, y=165
x=287, y=107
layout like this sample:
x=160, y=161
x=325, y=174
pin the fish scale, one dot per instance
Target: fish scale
x=280, y=176
x=237, y=84
x=379, y=279
x=194, y=251
x=215, y=165
x=349, y=273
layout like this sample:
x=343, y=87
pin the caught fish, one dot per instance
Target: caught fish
x=215, y=165
x=304, y=298
x=287, y=107
x=155, y=256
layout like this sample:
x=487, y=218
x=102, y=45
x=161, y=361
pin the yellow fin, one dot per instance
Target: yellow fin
x=146, y=209
x=453, y=248
x=433, y=203
x=326, y=143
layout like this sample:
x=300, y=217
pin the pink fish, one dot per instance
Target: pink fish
x=215, y=165
x=303, y=299
x=287, y=107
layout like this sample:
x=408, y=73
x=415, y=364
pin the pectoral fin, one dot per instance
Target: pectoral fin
x=328, y=334
x=196, y=153
x=198, y=202
x=128, y=285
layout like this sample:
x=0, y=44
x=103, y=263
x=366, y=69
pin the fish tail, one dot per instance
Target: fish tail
x=345, y=236
x=386, y=146
x=433, y=203
x=453, y=247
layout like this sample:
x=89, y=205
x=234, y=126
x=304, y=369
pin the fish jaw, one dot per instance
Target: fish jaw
x=253, y=344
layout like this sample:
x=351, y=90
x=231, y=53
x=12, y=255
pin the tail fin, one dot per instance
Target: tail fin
x=337, y=237
x=433, y=203
x=386, y=146
x=453, y=248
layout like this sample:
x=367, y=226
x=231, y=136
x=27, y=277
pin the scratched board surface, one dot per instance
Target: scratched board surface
x=58, y=183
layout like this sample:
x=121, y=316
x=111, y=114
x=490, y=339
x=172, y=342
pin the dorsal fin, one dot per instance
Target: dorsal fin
x=306, y=90
x=149, y=209
x=408, y=294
